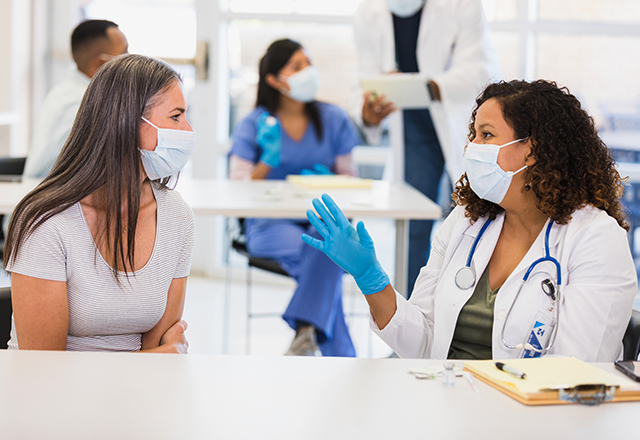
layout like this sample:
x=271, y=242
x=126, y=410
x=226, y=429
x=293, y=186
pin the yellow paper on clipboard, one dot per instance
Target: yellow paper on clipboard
x=548, y=377
x=332, y=181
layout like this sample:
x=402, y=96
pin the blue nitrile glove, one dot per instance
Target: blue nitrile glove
x=268, y=138
x=352, y=250
x=317, y=170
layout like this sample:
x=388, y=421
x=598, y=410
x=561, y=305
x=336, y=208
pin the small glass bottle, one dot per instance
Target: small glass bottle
x=448, y=375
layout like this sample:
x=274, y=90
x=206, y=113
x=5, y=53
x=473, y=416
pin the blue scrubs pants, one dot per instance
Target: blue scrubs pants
x=423, y=168
x=318, y=298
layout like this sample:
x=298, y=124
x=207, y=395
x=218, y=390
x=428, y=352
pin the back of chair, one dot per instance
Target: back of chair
x=5, y=316
x=631, y=339
x=13, y=167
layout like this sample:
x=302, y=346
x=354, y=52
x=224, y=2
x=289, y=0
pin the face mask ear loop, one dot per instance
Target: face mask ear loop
x=148, y=122
x=524, y=167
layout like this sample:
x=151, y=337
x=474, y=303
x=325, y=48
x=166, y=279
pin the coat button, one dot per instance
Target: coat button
x=501, y=315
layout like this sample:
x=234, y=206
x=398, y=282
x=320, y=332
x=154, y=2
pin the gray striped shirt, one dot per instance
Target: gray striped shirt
x=105, y=315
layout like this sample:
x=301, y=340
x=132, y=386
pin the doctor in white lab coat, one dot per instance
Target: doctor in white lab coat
x=448, y=41
x=538, y=169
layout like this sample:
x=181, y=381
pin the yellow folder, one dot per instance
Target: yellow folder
x=332, y=181
x=556, y=380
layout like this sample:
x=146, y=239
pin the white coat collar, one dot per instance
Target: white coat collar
x=78, y=77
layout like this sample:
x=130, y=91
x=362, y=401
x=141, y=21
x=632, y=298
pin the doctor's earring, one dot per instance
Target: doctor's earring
x=527, y=187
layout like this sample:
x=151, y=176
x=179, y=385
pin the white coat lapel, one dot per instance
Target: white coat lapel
x=384, y=21
x=485, y=247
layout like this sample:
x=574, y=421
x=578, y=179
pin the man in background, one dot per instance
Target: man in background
x=93, y=43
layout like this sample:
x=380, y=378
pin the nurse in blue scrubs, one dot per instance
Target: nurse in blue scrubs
x=289, y=132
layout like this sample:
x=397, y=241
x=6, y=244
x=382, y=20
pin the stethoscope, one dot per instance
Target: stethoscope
x=466, y=278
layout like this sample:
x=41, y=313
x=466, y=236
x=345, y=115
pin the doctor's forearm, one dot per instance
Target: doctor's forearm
x=382, y=306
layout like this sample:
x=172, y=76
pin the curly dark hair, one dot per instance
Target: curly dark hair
x=573, y=167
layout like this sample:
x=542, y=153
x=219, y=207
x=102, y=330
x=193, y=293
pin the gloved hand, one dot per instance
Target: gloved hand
x=352, y=250
x=268, y=138
x=317, y=170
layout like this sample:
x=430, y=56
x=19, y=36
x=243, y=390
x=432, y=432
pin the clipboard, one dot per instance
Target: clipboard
x=330, y=181
x=556, y=381
x=404, y=90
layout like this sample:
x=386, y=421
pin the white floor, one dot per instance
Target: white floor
x=270, y=335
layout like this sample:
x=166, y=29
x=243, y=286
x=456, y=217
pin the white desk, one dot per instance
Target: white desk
x=57, y=395
x=400, y=202
x=12, y=192
x=397, y=201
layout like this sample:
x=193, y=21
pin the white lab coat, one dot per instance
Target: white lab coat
x=54, y=122
x=454, y=50
x=598, y=288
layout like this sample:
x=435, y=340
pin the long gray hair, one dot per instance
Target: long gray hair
x=100, y=152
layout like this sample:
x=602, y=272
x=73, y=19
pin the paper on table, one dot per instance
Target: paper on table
x=329, y=181
x=547, y=373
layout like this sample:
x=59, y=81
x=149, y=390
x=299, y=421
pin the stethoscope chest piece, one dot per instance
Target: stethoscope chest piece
x=549, y=288
x=465, y=277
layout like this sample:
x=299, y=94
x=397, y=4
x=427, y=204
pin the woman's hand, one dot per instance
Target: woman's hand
x=174, y=340
x=352, y=250
x=268, y=138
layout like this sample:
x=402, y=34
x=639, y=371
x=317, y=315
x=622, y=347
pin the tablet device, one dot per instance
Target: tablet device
x=630, y=368
x=404, y=90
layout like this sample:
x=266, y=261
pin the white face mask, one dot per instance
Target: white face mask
x=303, y=85
x=486, y=178
x=404, y=8
x=171, y=154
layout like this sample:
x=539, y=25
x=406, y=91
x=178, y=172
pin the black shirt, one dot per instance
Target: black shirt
x=405, y=32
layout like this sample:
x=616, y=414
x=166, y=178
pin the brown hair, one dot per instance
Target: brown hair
x=100, y=152
x=573, y=167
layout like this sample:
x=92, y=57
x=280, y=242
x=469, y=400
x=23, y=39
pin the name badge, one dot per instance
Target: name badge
x=539, y=335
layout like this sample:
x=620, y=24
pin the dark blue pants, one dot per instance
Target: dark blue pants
x=423, y=168
x=318, y=298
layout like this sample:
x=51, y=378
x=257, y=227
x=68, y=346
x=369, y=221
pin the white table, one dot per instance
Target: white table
x=279, y=199
x=57, y=395
x=12, y=192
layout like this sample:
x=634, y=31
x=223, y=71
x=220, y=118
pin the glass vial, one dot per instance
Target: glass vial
x=448, y=375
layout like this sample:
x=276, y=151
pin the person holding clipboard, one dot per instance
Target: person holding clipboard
x=448, y=42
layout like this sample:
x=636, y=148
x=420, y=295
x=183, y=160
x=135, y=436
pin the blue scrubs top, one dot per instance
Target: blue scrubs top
x=339, y=137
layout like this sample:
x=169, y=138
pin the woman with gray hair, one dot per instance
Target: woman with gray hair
x=100, y=251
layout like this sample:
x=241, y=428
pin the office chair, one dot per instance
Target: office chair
x=5, y=316
x=11, y=168
x=239, y=244
x=631, y=338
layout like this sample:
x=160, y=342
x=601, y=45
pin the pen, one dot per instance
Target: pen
x=512, y=371
x=472, y=382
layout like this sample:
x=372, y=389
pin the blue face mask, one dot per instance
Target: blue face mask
x=171, y=154
x=404, y=8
